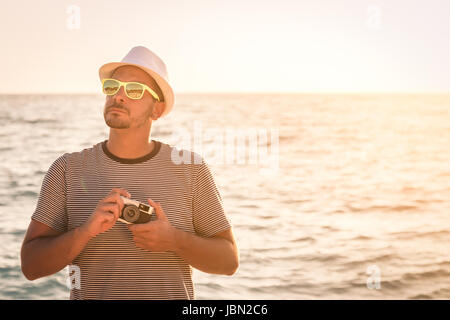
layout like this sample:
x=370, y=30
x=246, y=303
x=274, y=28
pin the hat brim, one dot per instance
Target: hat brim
x=107, y=69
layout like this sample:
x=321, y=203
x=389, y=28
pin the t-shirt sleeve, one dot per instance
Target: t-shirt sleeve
x=208, y=212
x=51, y=206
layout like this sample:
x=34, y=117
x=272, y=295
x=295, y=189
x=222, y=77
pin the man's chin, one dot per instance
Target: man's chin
x=117, y=125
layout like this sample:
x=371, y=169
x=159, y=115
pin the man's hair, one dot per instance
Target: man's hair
x=159, y=92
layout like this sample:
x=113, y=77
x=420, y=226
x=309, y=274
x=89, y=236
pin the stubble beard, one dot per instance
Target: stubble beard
x=117, y=122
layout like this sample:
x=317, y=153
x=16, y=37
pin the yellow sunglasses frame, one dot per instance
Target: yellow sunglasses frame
x=122, y=83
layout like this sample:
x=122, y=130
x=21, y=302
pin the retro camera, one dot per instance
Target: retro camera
x=134, y=212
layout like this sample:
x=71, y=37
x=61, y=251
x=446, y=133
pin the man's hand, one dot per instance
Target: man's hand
x=158, y=235
x=106, y=213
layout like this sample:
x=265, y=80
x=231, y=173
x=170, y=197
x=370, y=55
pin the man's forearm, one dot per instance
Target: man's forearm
x=211, y=255
x=47, y=255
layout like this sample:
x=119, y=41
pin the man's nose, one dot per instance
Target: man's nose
x=120, y=95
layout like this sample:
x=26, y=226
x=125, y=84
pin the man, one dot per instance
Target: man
x=76, y=217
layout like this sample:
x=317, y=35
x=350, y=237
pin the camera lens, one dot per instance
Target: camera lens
x=131, y=213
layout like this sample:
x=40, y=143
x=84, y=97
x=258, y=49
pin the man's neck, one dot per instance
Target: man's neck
x=126, y=149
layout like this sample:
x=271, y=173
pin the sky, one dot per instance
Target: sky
x=321, y=46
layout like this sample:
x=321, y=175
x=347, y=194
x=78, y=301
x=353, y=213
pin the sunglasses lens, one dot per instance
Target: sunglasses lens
x=134, y=90
x=110, y=87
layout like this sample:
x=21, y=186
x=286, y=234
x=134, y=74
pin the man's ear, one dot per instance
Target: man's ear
x=157, y=110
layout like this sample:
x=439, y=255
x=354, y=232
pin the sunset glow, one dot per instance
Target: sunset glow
x=214, y=46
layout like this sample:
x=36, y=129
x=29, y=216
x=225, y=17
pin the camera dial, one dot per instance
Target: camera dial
x=131, y=213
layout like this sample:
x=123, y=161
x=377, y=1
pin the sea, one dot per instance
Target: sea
x=331, y=196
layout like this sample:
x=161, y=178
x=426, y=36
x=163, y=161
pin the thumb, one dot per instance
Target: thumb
x=158, y=209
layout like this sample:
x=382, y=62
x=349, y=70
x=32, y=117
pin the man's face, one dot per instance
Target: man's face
x=121, y=112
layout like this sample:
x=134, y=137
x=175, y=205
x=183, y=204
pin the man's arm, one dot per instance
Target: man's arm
x=46, y=251
x=217, y=254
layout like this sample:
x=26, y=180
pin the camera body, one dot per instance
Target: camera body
x=135, y=212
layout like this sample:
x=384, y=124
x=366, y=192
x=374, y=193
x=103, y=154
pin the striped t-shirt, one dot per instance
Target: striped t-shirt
x=111, y=266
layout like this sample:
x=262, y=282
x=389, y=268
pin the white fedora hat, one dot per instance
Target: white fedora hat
x=148, y=61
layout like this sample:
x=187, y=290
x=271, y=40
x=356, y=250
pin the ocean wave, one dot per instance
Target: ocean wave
x=414, y=234
x=255, y=227
x=433, y=264
x=421, y=296
x=395, y=208
x=304, y=239
x=439, y=273
x=34, y=121
x=48, y=288
x=285, y=288
x=249, y=206
x=276, y=249
x=10, y=272
x=362, y=237
x=26, y=194
x=444, y=263
x=442, y=293
x=320, y=257
x=382, y=258
x=403, y=207
x=394, y=284
x=287, y=137
x=16, y=232
x=268, y=217
x=329, y=228
x=339, y=290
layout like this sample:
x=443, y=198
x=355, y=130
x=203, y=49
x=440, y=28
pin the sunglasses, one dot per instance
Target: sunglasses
x=133, y=90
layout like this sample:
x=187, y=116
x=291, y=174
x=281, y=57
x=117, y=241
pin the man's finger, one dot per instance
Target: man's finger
x=108, y=216
x=113, y=207
x=121, y=192
x=109, y=208
x=119, y=202
x=140, y=227
x=158, y=209
x=112, y=198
